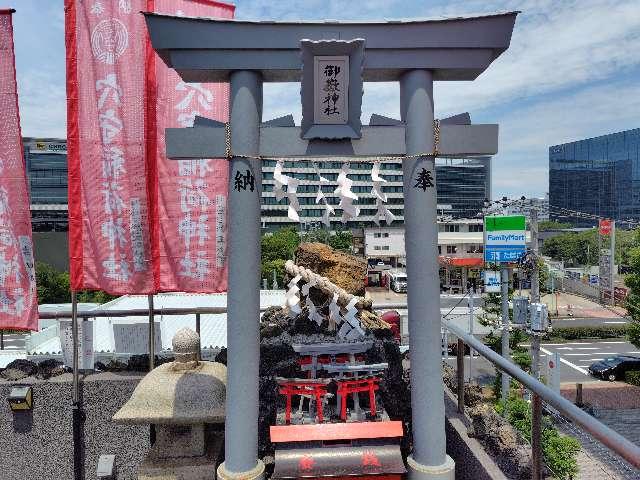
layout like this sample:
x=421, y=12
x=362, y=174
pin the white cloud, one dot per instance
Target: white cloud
x=555, y=45
x=40, y=66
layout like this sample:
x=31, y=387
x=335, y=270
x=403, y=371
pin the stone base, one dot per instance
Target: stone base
x=184, y=468
x=417, y=471
x=257, y=473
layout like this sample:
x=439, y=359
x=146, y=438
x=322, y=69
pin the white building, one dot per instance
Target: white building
x=460, y=238
x=460, y=249
x=525, y=206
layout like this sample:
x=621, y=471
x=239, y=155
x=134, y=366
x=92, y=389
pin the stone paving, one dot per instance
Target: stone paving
x=613, y=397
x=624, y=421
x=568, y=305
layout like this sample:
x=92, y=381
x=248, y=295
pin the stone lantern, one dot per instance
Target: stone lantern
x=183, y=399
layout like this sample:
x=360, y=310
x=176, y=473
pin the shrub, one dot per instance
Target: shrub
x=576, y=333
x=559, y=451
x=493, y=340
x=522, y=359
x=632, y=377
x=560, y=454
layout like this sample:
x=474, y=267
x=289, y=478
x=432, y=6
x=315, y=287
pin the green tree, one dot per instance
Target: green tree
x=632, y=281
x=342, y=240
x=560, y=452
x=319, y=235
x=626, y=241
x=277, y=248
x=280, y=245
x=574, y=248
x=581, y=248
x=270, y=266
x=54, y=286
x=492, y=310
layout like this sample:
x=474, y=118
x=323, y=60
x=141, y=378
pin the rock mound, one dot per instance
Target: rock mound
x=346, y=271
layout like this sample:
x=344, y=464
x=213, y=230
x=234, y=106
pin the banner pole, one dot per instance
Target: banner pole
x=74, y=333
x=75, y=395
x=198, y=332
x=152, y=347
x=152, y=353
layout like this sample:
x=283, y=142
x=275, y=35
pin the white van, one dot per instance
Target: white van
x=397, y=280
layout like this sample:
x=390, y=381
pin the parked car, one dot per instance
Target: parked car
x=614, y=368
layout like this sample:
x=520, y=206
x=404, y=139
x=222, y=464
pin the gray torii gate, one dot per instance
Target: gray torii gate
x=415, y=53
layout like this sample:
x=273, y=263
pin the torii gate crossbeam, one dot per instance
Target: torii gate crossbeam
x=416, y=54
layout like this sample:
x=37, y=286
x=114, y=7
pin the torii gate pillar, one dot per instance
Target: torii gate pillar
x=243, y=297
x=429, y=459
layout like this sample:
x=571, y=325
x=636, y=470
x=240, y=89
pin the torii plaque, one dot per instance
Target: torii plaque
x=415, y=53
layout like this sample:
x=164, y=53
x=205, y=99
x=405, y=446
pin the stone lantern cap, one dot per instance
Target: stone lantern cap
x=183, y=392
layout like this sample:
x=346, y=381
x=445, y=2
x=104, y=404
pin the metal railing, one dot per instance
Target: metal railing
x=607, y=436
x=134, y=312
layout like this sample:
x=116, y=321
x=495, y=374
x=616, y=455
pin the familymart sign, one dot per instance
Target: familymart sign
x=504, y=238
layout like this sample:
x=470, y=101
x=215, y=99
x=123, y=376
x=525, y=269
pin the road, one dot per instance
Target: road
x=384, y=296
x=575, y=357
x=589, y=322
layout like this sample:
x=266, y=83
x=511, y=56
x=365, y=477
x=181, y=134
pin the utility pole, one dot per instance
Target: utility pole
x=536, y=404
x=504, y=286
x=504, y=292
x=471, y=292
x=613, y=262
x=600, y=289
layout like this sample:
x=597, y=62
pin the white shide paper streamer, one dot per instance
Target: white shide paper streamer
x=381, y=197
x=292, y=187
x=349, y=210
x=291, y=298
x=320, y=197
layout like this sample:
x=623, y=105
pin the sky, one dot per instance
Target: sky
x=572, y=72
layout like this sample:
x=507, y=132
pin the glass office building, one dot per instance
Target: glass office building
x=462, y=186
x=46, y=165
x=599, y=176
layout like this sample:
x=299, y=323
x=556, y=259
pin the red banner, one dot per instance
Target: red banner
x=18, y=297
x=192, y=194
x=138, y=223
